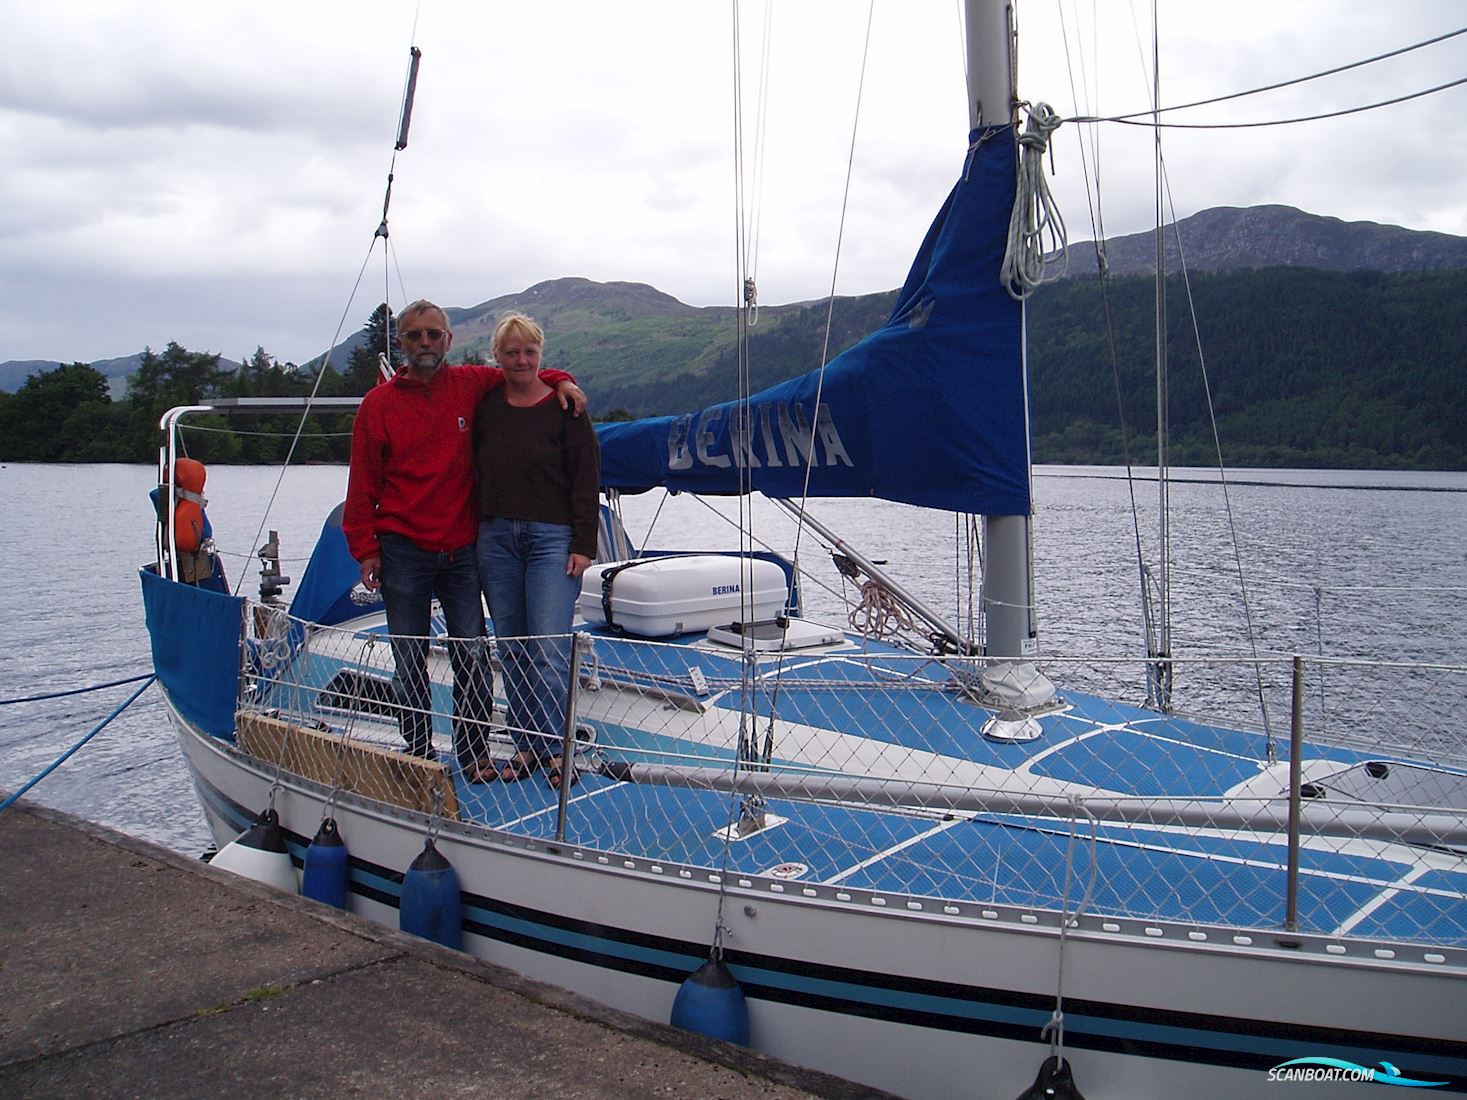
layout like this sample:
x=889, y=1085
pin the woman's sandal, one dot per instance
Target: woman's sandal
x=553, y=777
x=482, y=771
x=516, y=768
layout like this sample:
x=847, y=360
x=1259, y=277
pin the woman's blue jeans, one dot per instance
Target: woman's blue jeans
x=411, y=577
x=532, y=601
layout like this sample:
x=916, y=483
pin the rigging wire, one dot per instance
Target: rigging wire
x=1164, y=196
x=1287, y=83
x=400, y=143
x=1285, y=121
x=746, y=736
x=751, y=276
x=834, y=274
x=767, y=751
x=1088, y=166
x=1162, y=671
x=1096, y=210
x=306, y=412
x=741, y=424
x=1092, y=198
x=1159, y=672
x=825, y=338
x=1223, y=481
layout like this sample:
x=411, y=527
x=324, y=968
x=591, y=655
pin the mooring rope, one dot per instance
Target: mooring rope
x=77, y=691
x=69, y=753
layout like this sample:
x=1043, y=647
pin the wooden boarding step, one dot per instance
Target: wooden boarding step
x=333, y=760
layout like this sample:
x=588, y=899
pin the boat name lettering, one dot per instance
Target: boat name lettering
x=774, y=434
x=725, y=589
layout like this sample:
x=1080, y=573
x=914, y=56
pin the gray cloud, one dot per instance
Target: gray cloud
x=213, y=173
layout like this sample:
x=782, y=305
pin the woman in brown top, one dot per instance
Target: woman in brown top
x=537, y=471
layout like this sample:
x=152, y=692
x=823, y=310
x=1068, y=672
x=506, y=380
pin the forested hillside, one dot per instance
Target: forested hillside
x=1306, y=368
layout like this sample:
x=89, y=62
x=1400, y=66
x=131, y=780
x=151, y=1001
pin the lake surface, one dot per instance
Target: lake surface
x=1339, y=562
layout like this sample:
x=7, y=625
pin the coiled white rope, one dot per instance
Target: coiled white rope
x=1036, y=220
x=879, y=613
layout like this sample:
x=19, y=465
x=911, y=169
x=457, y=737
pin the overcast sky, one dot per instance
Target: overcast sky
x=212, y=173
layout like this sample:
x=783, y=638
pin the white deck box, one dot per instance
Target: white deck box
x=660, y=597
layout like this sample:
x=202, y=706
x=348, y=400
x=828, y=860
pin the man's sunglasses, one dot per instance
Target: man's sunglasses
x=413, y=335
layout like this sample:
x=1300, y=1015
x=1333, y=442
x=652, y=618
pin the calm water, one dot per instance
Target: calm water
x=1350, y=562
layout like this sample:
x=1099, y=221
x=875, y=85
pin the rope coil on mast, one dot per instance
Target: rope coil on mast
x=1036, y=218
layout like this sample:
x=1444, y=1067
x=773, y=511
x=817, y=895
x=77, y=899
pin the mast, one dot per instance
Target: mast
x=1008, y=604
x=1013, y=681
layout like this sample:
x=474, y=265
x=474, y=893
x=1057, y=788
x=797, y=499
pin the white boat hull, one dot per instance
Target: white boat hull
x=916, y=997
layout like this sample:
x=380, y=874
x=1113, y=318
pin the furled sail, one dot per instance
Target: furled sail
x=929, y=410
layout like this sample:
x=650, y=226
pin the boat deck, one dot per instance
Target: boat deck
x=688, y=705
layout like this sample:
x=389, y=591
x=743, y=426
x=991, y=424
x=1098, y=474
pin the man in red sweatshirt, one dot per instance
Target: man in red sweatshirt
x=410, y=523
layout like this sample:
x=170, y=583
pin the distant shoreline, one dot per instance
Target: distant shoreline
x=1251, y=476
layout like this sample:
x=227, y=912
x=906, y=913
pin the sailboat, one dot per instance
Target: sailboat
x=937, y=867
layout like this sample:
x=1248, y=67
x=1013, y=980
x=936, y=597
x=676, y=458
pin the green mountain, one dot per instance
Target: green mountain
x=1240, y=238
x=638, y=350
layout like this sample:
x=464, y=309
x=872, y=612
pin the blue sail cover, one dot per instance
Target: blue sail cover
x=325, y=592
x=928, y=410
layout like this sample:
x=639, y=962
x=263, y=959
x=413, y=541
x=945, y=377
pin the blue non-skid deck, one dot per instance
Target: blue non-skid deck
x=1000, y=859
x=1152, y=872
x=994, y=859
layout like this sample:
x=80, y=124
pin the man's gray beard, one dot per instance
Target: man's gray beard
x=427, y=362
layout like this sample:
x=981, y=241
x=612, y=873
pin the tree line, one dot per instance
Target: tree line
x=68, y=415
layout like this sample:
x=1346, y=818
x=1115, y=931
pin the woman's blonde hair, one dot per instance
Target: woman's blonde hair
x=516, y=324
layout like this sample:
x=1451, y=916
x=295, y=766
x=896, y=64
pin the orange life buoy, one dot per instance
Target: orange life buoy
x=188, y=504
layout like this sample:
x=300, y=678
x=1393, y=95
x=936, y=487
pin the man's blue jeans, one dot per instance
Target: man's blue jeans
x=411, y=577
x=532, y=600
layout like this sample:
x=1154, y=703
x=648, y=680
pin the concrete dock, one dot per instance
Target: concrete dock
x=127, y=970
